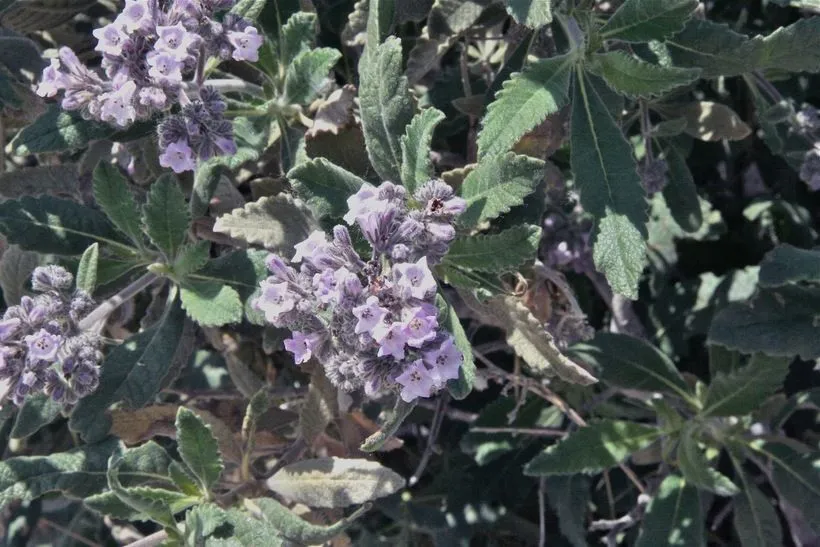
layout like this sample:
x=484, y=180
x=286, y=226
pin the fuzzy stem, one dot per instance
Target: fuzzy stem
x=230, y=84
x=149, y=541
x=98, y=316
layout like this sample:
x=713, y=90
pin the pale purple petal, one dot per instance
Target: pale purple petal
x=415, y=381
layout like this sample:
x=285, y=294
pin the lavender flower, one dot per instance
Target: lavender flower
x=810, y=169
x=372, y=324
x=653, y=175
x=42, y=348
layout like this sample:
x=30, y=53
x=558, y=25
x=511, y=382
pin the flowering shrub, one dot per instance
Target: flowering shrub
x=491, y=272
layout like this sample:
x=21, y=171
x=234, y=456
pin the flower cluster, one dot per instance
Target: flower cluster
x=653, y=175
x=372, y=324
x=566, y=242
x=147, y=53
x=42, y=348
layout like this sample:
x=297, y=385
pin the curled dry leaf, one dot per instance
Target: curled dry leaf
x=709, y=121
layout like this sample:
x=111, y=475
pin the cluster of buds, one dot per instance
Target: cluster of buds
x=42, y=348
x=810, y=169
x=372, y=324
x=653, y=175
x=566, y=243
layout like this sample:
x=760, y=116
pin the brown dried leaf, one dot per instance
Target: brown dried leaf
x=710, y=121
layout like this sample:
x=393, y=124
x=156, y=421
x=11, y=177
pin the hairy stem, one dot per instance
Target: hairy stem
x=96, y=319
x=229, y=84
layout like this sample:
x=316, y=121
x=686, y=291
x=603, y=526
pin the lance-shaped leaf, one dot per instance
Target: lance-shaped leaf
x=530, y=13
x=38, y=410
x=776, y=321
x=211, y=304
x=198, y=447
x=680, y=192
x=796, y=478
x=76, y=473
x=380, y=17
x=386, y=106
x=569, y=498
x=135, y=371
x=325, y=186
x=645, y=20
x=43, y=179
x=740, y=391
x=295, y=528
x=156, y=504
x=607, y=179
x=449, y=321
x=57, y=130
x=673, y=517
x=793, y=48
x=278, y=222
x=496, y=253
x=786, y=264
x=755, y=519
x=16, y=266
x=116, y=200
x=696, y=469
x=86, y=278
x=713, y=47
x=50, y=225
x=525, y=101
x=192, y=258
x=593, y=448
x=636, y=78
x=400, y=412
x=497, y=184
x=335, y=482
x=631, y=363
x=416, y=166
x=166, y=215
x=307, y=73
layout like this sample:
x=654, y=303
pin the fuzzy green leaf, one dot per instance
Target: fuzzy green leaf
x=297, y=36
x=135, y=371
x=786, y=264
x=756, y=522
x=243, y=270
x=645, y=20
x=38, y=411
x=713, y=47
x=278, y=223
x=530, y=13
x=198, y=447
x=497, y=184
x=44, y=179
x=307, y=73
x=150, y=503
x=631, y=363
x=50, y=225
x=115, y=199
x=525, y=100
x=569, y=498
x=797, y=478
x=620, y=254
x=86, y=278
x=680, y=192
x=16, y=266
x=335, y=482
x=740, y=392
x=793, y=48
x=636, y=78
x=294, y=528
x=449, y=321
x=202, y=521
x=696, y=469
x=594, y=448
x=496, y=253
x=416, y=166
x=325, y=186
x=211, y=304
x=166, y=215
x=76, y=473
x=401, y=410
x=777, y=321
x=673, y=517
x=192, y=258
x=57, y=130
x=386, y=106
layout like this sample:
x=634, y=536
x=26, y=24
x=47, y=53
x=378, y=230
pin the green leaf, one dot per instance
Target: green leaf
x=386, y=106
x=202, y=521
x=796, y=477
x=497, y=184
x=776, y=321
x=569, y=497
x=793, y=48
x=207, y=177
x=530, y=13
x=449, y=321
x=525, y=101
x=673, y=517
x=325, y=186
x=380, y=17
x=594, y=448
x=713, y=47
x=44, y=179
x=51, y=225
x=211, y=304
x=294, y=528
x=241, y=269
x=497, y=253
x=452, y=17
x=16, y=267
x=631, y=363
x=248, y=532
x=198, y=448
x=297, y=36
x=335, y=482
x=711, y=122
x=645, y=20
x=636, y=78
x=786, y=264
x=756, y=522
x=166, y=215
x=116, y=200
x=741, y=391
x=277, y=222
x=695, y=467
x=416, y=166
x=39, y=410
x=620, y=254
x=154, y=503
x=77, y=473
x=86, y=278
x=192, y=258
x=135, y=371
x=607, y=179
x=57, y=130
x=400, y=413
x=248, y=9
x=307, y=73
x=680, y=192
